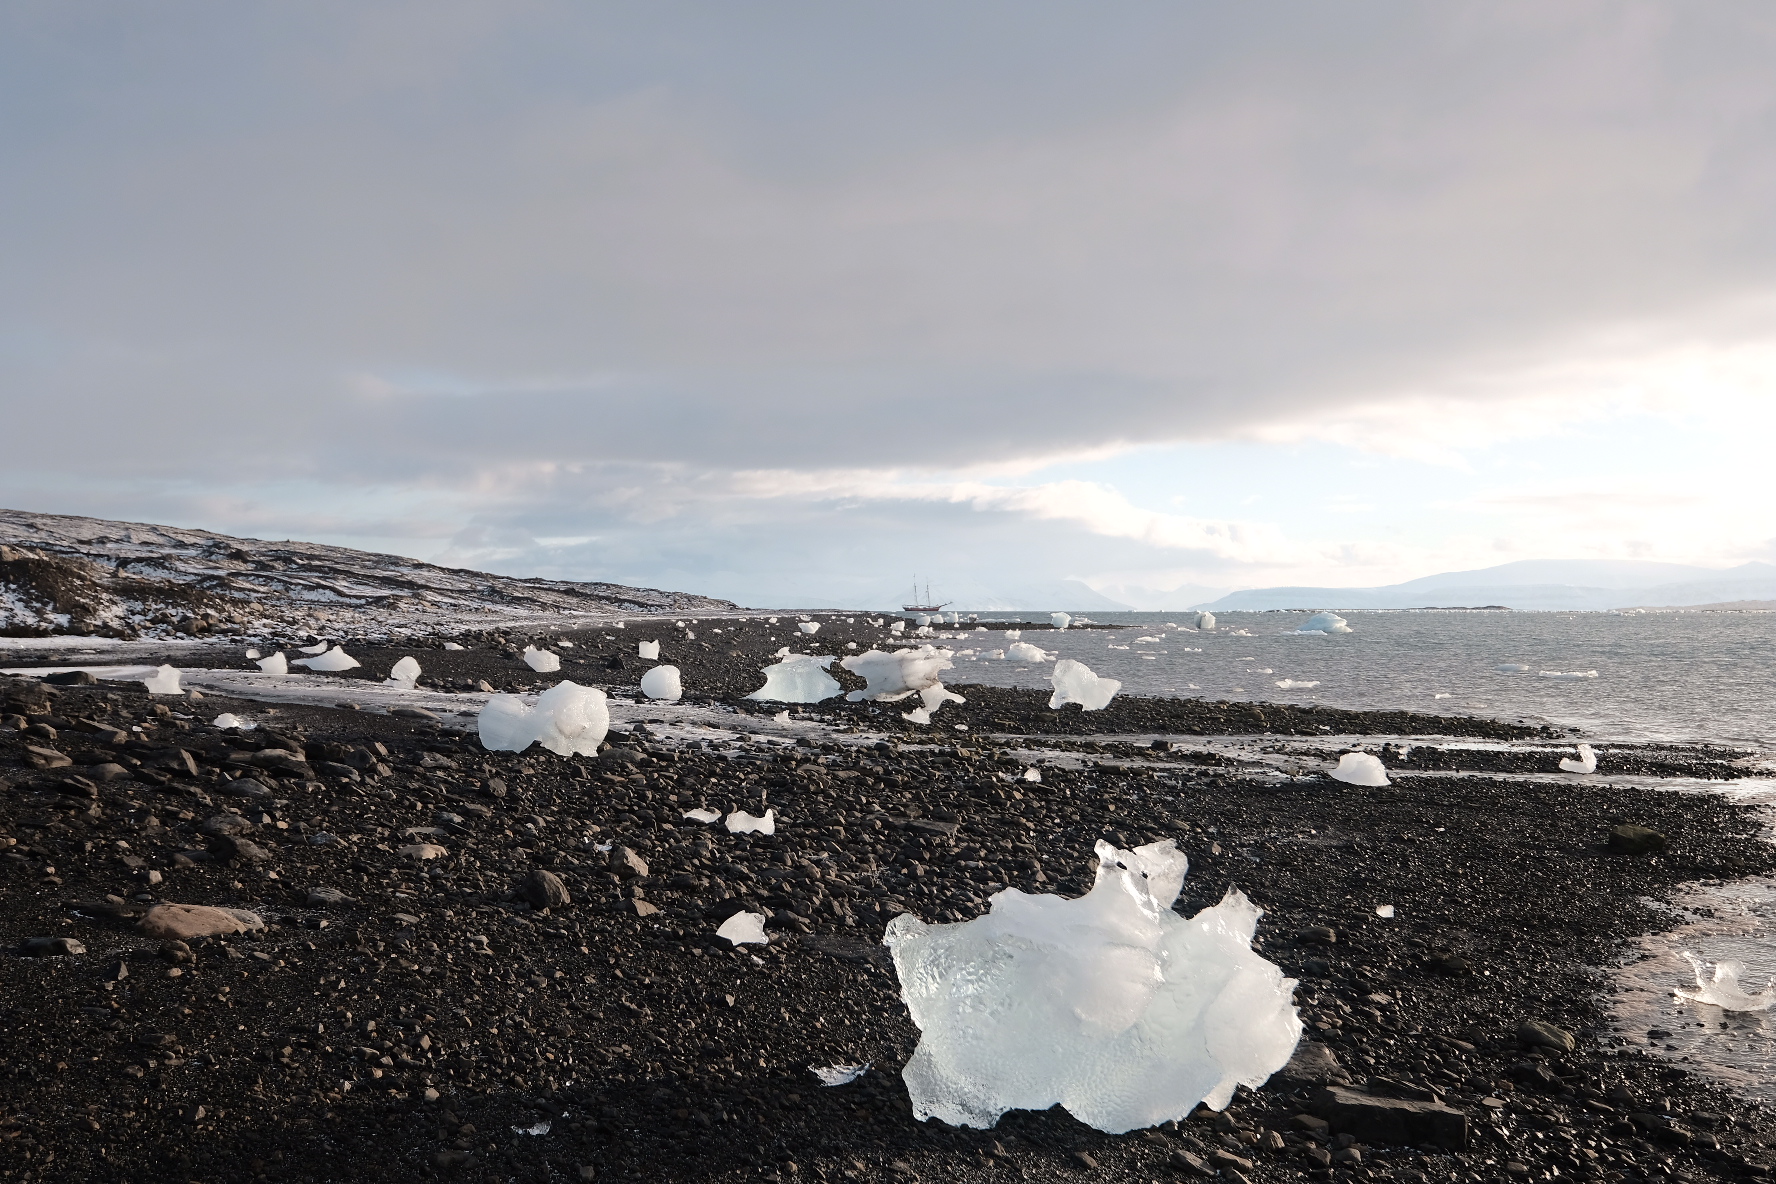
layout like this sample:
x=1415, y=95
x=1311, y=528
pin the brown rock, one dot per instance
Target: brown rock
x=1390, y=1120
x=181, y=921
x=544, y=890
x=46, y=758
x=626, y=863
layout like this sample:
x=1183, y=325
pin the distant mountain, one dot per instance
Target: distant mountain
x=87, y=576
x=1161, y=600
x=1583, y=584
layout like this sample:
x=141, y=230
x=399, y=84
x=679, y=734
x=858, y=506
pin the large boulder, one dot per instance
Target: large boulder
x=181, y=922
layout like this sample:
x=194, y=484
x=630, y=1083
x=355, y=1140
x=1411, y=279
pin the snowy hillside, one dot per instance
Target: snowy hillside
x=61, y=574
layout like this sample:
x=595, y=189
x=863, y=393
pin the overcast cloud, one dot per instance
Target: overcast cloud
x=786, y=301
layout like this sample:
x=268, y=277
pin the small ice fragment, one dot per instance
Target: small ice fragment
x=897, y=627
x=797, y=678
x=1573, y=675
x=1033, y=775
x=1205, y=622
x=276, y=664
x=451, y=645
x=568, y=720
x=1385, y=911
x=1013, y=634
x=541, y=1128
x=620, y=625
x=921, y=620
x=744, y=928
x=740, y=822
x=1289, y=684
x=648, y=649
x=1511, y=668
x=1587, y=762
x=1442, y=695
x=541, y=661
x=1059, y=620
x=254, y=654
x=230, y=720
x=808, y=626
x=1325, y=623
x=331, y=662
x=1023, y=651
x=1359, y=768
x=840, y=1074
x=702, y=815
x=404, y=674
x=918, y=715
x=663, y=683
x=565, y=644
x=1722, y=989
x=319, y=647
x=164, y=681
x=781, y=717
x=1074, y=682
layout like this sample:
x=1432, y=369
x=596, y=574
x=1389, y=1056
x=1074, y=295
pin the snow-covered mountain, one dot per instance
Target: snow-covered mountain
x=61, y=574
x=1534, y=584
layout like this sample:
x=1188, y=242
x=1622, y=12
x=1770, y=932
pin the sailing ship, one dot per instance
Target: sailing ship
x=927, y=607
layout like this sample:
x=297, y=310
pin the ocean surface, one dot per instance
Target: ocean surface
x=1662, y=676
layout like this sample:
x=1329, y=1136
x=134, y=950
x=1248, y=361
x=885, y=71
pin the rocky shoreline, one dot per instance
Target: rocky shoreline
x=452, y=1017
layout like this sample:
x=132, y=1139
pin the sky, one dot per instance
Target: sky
x=795, y=303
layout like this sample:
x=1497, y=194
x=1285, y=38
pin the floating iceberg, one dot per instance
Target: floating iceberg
x=1023, y=651
x=568, y=720
x=798, y=678
x=1325, y=623
x=895, y=674
x=1013, y=634
x=1359, y=768
x=744, y=928
x=740, y=823
x=331, y=662
x=1721, y=988
x=648, y=649
x=404, y=674
x=663, y=683
x=1205, y=622
x=165, y=681
x=1574, y=675
x=541, y=661
x=1074, y=682
x=1289, y=684
x=1511, y=668
x=808, y=626
x=1587, y=762
x=1059, y=620
x=276, y=664
x=1110, y=1004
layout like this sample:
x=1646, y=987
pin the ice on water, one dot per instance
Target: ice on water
x=567, y=719
x=1110, y=1004
x=798, y=678
x=663, y=683
x=1074, y=682
x=1059, y=620
x=1205, y=622
x=1721, y=988
x=1587, y=762
x=1023, y=651
x=1325, y=623
x=1359, y=768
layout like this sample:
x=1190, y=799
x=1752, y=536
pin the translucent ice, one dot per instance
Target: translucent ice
x=918, y=715
x=1574, y=675
x=742, y=928
x=331, y=662
x=1032, y=774
x=897, y=627
x=662, y=682
x=165, y=681
x=1074, y=682
x=648, y=649
x=253, y=654
x=921, y=620
x=319, y=647
x=840, y=1074
x=1013, y=634
x=1722, y=989
x=1059, y=620
x=568, y=719
x=404, y=674
x=740, y=822
x=541, y=661
x=896, y=674
x=276, y=664
x=230, y=720
x=1325, y=623
x=1359, y=768
x=808, y=626
x=1023, y=651
x=798, y=678
x=1289, y=684
x=451, y=645
x=701, y=815
x=1110, y=1004
x=1385, y=911
x=1205, y=621
x=1587, y=762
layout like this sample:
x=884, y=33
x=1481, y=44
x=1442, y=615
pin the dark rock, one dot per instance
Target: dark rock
x=1391, y=1120
x=1190, y=1163
x=51, y=947
x=1541, y=1034
x=46, y=758
x=1318, y=935
x=235, y=847
x=544, y=890
x=1086, y=1160
x=71, y=678
x=626, y=863
x=1312, y=1064
x=227, y=824
x=320, y=897
x=1629, y=839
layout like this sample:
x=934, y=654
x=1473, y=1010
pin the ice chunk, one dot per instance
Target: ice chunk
x=808, y=626
x=1023, y=651
x=918, y=715
x=230, y=720
x=568, y=719
x=921, y=620
x=1722, y=989
x=1385, y=911
x=1289, y=684
x=1074, y=682
x=781, y=717
x=798, y=678
x=331, y=662
x=1587, y=762
x=702, y=815
x=1138, y=640
x=541, y=661
x=1574, y=675
x=404, y=674
x=1013, y=634
x=1205, y=622
x=897, y=627
x=744, y=928
x=840, y=1074
x=1033, y=774
x=892, y=676
x=648, y=649
x=535, y=1128
x=164, y=681
x=1059, y=620
x=253, y=655
x=276, y=664
x=1325, y=623
x=320, y=647
x=1110, y=1004
x=1359, y=768
x=451, y=645
x=1511, y=668
x=740, y=822
x=662, y=682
